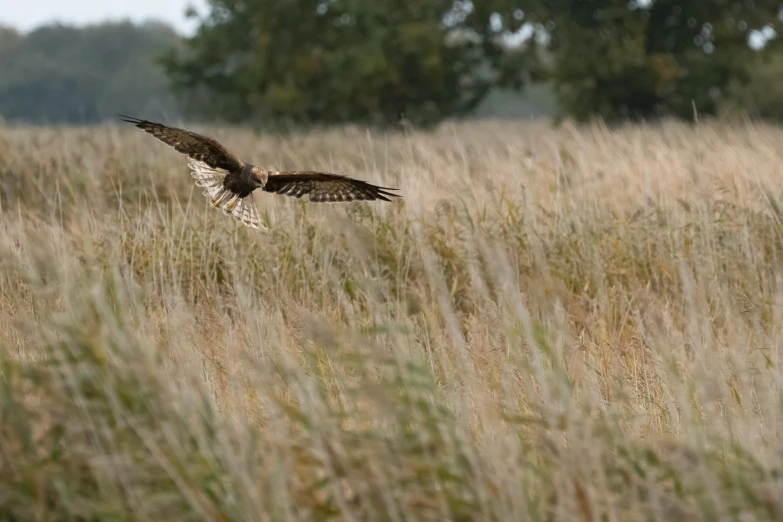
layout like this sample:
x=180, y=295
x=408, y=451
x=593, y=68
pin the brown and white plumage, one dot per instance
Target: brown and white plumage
x=228, y=181
x=323, y=187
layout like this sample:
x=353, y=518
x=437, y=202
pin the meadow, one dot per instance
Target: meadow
x=572, y=323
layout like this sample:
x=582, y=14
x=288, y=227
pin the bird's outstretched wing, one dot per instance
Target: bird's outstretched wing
x=200, y=148
x=324, y=188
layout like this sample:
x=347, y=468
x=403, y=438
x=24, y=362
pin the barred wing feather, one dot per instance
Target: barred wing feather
x=197, y=147
x=323, y=187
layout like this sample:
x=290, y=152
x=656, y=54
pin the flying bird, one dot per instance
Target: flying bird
x=228, y=182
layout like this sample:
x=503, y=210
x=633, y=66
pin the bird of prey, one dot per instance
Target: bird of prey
x=228, y=182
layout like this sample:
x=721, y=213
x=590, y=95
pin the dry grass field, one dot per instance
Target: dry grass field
x=577, y=323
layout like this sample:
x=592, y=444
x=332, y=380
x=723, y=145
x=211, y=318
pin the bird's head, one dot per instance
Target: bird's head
x=260, y=175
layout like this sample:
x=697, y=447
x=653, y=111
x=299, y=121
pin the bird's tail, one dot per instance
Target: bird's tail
x=211, y=180
x=241, y=209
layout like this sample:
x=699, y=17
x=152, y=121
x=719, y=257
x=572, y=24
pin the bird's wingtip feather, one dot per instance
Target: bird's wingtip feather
x=382, y=191
x=129, y=119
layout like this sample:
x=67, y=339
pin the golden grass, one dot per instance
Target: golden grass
x=552, y=324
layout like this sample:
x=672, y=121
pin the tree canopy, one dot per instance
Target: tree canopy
x=620, y=59
x=347, y=60
x=376, y=62
x=66, y=74
x=352, y=60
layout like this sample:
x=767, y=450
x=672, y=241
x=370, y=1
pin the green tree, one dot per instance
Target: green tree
x=66, y=74
x=619, y=59
x=332, y=61
x=761, y=97
x=9, y=37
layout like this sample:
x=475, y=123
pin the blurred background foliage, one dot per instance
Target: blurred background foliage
x=421, y=61
x=58, y=74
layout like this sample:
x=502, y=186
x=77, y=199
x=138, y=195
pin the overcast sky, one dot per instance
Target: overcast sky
x=28, y=14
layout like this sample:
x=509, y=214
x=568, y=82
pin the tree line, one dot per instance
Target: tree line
x=58, y=74
x=293, y=62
